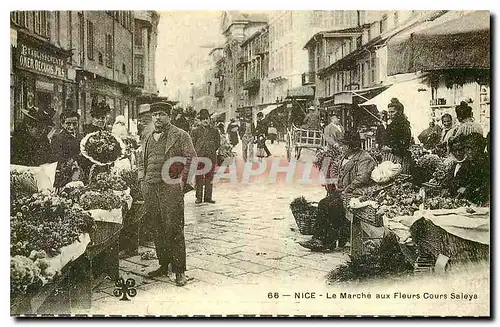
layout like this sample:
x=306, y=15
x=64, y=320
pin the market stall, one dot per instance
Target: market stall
x=405, y=224
x=66, y=241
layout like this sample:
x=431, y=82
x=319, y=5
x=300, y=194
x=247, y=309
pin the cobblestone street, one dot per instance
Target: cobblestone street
x=248, y=237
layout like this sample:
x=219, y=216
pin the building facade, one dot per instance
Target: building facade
x=72, y=60
x=288, y=32
x=350, y=67
x=42, y=65
x=236, y=27
x=145, y=44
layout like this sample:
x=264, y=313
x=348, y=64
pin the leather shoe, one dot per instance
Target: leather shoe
x=180, y=279
x=198, y=201
x=209, y=201
x=162, y=271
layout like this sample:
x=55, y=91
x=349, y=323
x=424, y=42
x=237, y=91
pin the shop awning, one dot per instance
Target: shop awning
x=459, y=43
x=301, y=92
x=268, y=109
x=415, y=97
x=356, y=96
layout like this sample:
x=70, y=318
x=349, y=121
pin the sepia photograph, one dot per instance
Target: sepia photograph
x=243, y=163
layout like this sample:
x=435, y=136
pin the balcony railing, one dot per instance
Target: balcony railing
x=308, y=78
x=252, y=84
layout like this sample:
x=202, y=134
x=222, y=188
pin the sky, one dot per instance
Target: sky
x=180, y=35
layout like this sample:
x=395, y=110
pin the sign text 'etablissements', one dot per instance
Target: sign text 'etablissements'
x=34, y=59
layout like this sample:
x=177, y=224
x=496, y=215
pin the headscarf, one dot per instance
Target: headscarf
x=119, y=127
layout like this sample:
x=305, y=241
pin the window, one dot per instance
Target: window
x=41, y=23
x=81, y=36
x=58, y=26
x=138, y=35
x=19, y=18
x=90, y=40
x=396, y=19
x=109, y=50
x=383, y=24
x=70, y=29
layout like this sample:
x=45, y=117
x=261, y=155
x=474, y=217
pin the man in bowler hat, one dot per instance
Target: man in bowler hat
x=163, y=182
x=29, y=144
x=206, y=140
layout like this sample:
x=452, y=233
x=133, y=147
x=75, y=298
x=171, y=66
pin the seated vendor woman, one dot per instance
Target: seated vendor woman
x=330, y=225
x=355, y=172
x=471, y=173
x=356, y=165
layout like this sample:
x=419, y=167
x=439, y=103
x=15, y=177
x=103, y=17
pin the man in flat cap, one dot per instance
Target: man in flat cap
x=163, y=178
x=206, y=140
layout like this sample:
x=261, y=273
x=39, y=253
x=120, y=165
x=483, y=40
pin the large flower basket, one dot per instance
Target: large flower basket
x=103, y=149
x=304, y=213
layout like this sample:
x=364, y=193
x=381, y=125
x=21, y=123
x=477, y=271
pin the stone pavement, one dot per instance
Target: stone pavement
x=248, y=237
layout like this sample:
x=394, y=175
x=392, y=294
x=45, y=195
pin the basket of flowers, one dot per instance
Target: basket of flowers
x=304, y=213
x=103, y=149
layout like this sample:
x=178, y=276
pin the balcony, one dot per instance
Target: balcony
x=309, y=78
x=242, y=59
x=252, y=84
x=139, y=80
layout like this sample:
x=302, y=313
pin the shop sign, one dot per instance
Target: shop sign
x=33, y=59
x=343, y=98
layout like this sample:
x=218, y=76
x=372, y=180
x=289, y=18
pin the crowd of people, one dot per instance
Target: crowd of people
x=173, y=133
x=462, y=144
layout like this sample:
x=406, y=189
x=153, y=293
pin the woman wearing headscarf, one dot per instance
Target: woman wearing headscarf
x=398, y=137
x=120, y=127
x=471, y=171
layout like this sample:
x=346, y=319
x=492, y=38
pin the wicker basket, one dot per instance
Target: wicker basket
x=434, y=240
x=305, y=217
x=366, y=214
x=104, y=232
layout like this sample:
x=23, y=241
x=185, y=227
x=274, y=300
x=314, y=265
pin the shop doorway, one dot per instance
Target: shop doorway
x=43, y=100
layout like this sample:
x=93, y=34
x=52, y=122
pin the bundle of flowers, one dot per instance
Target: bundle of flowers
x=106, y=200
x=426, y=165
x=105, y=181
x=442, y=173
x=24, y=275
x=102, y=148
x=417, y=151
x=131, y=179
x=22, y=183
x=46, y=222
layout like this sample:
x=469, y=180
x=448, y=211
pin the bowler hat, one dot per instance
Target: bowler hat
x=43, y=116
x=203, y=114
x=352, y=138
x=99, y=110
x=161, y=106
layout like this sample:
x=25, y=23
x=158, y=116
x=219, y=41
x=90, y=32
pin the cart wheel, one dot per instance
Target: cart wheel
x=297, y=152
x=288, y=147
